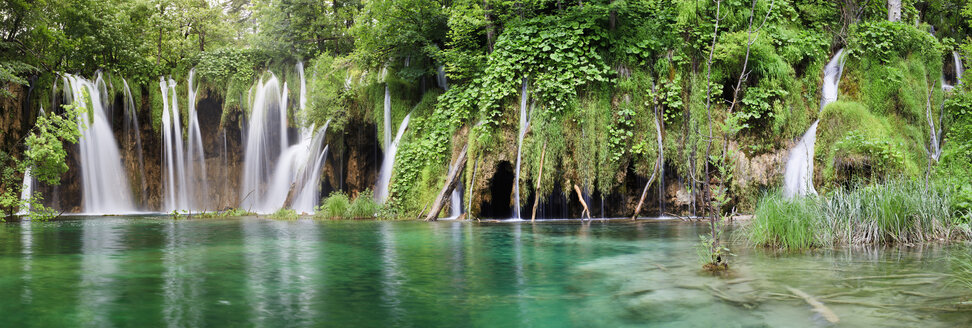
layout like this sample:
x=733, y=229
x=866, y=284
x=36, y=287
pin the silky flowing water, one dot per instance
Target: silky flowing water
x=155, y=271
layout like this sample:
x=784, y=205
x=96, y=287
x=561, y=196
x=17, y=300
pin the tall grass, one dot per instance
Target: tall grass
x=334, y=206
x=782, y=223
x=337, y=206
x=894, y=212
x=364, y=206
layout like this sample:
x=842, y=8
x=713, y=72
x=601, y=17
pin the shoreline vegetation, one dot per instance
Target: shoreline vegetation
x=896, y=212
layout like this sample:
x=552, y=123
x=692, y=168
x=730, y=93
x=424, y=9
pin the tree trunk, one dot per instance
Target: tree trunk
x=290, y=196
x=644, y=192
x=613, y=18
x=894, y=10
x=202, y=41
x=451, y=181
x=580, y=197
x=536, y=192
x=707, y=192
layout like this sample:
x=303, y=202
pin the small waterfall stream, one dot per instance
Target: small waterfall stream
x=524, y=124
x=198, y=187
x=132, y=127
x=798, y=173
x=105, y=189
x=388, y=162
x=26, y=191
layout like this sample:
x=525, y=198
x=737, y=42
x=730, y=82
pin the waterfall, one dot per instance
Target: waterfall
x=174, y=156
x=524, y=123
x=798, y=174
x=936, y=134
x=440, y=78
x=455, y=200
x=275, y=171
x=26, y=191
x=105, y=188
x=388, y=137
x=661, y=165
x=131, y=125
x=959, y=70
x=198, y=188
x=388, y=163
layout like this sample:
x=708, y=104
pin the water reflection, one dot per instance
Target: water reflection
x=27, y=257
x=183, y=276
x=100, y=249
x=391, y=273
x=108, y=272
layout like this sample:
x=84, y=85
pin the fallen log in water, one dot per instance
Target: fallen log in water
x=818, y=307
x=451, y=181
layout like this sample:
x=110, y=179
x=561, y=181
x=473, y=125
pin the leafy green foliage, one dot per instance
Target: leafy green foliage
x=44, y=158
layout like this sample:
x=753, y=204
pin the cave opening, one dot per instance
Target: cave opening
x=499, y=204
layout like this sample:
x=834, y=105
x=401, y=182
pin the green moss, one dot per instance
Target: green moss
x=854, y=143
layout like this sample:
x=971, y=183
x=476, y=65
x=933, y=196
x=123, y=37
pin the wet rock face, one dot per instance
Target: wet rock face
x=353, y=160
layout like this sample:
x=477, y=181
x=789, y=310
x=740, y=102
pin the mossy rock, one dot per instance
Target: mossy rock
x=854, y=144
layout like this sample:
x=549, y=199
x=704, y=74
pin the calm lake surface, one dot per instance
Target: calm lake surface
x=155, y=271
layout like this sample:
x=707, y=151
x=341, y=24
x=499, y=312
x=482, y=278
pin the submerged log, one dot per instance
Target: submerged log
x=818, y=307
x=451, y=181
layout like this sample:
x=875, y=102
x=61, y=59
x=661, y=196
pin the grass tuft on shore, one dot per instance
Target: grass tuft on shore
x=889, y=213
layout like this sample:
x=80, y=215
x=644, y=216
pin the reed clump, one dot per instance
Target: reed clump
x=339, y=206
x=900, y=212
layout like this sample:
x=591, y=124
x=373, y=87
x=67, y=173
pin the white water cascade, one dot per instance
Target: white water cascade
x=275, y=171
x=524, y=124
x=132, y=126
x=173, y=156
x=105, y=188
x=441, y=79
x=959, y=70
x=186, y=187
x=388, y=162
x=936, y=134
x=198, y=188
x=798, y=174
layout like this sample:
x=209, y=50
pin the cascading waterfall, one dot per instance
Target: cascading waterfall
x=661, y=165
x=959, y=69
x=388, y=136
x=936, y=134
x=798, y=174
x=388, y=162
x=132, y=126
x=173, y=155
x=524, y=123
x=104, y=184
x=275, y=172
x=198, y=188
x=441, y=79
